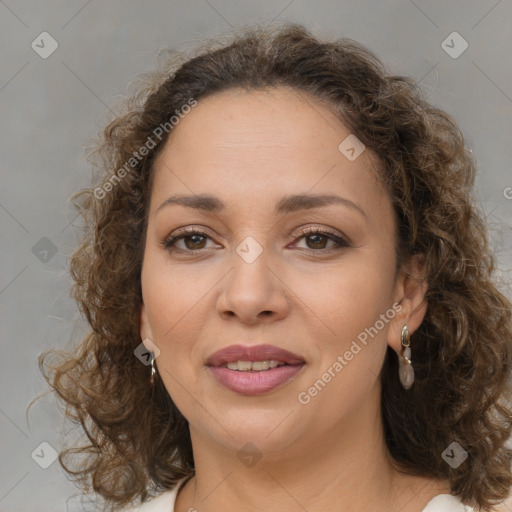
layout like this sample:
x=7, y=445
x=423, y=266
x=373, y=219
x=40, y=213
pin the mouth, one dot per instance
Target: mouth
x=266, y=355
x=253, y=366
x=254, y=370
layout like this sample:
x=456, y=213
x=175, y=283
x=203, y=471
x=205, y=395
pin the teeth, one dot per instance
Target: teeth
x=260, y=365
x=244, y=366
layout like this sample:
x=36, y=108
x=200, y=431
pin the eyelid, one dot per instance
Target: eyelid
x=183, y=232
x=339, y=239
x=317, y=229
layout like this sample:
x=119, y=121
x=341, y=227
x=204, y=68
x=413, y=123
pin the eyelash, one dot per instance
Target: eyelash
x=340, y=241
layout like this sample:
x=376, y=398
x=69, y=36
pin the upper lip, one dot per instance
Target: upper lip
x=252, y=353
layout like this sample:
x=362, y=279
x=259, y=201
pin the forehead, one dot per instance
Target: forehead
x=241, y=124
x=253, y=145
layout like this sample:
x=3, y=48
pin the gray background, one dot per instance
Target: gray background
x=53, y=108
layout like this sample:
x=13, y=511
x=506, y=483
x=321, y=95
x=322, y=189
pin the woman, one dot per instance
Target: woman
x=289, y=292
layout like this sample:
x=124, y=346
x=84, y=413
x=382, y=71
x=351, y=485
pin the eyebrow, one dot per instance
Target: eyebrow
x=287, y=204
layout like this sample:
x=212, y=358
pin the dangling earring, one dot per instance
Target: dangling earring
x=153, y=370
x=405, y=370
x=151, y=349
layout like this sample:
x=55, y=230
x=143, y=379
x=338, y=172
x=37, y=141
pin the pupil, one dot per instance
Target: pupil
x=195, y=239
x=316, y=237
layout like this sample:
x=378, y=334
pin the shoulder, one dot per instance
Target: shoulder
x=162, y=503
x=446, y=503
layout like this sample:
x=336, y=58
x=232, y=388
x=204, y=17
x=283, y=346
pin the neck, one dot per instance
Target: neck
x=346, y=468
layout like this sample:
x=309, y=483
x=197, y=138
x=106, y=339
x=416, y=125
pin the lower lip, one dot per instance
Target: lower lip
x=255, y=383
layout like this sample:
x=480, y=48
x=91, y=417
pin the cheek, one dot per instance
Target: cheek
x=351, y=295
x=173, y=303
x=353, y=305
x=172, y=294
x=350, y=357
x=175, y=312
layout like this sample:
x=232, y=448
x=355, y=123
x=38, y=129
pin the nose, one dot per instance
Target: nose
x=253, y=292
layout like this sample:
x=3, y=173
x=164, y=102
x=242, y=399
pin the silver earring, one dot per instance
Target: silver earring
x=405, y=370
x=153, y=369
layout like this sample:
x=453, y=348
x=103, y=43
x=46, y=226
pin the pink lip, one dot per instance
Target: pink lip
x=252, y=353
x=254, y=382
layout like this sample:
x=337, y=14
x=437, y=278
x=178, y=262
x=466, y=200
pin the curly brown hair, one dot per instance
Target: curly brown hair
x=138, y=441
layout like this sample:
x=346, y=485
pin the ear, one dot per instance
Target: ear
x=145, y=329
x=410, y=289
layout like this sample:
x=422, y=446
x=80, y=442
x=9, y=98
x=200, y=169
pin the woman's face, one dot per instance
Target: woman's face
x=255, y=276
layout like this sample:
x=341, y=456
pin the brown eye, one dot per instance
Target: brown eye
x=192, y=240
x=316, y=240
x=195, y=241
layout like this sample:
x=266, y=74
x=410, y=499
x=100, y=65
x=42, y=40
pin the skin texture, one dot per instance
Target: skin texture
x=250, y=149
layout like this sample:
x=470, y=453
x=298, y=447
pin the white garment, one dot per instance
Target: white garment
x=162, y=503
x=446, y=503
x=165, y=503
